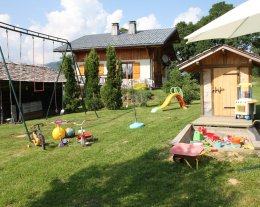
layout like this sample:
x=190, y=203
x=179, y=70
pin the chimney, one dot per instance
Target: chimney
x=115, y=29
x=132, y=27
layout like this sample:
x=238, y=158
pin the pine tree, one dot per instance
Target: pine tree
x=111, y=91
x=92, y=89
x=71, y=89
x=119, y=74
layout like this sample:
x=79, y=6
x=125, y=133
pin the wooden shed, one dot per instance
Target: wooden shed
x=35, y=85
x=221, y=69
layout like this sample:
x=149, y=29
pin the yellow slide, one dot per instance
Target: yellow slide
x=168, y=101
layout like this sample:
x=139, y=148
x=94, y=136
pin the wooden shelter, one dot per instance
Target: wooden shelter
x=221, y=69
x=34, y=102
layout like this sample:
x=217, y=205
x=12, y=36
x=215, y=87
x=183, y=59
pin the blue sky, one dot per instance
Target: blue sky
x=28, y=12
x=74, y=18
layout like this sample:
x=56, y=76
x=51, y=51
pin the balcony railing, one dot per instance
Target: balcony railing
x=128, y=83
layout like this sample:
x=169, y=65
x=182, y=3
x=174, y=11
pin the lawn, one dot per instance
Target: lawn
x=124, y=167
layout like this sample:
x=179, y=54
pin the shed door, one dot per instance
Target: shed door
x=225, y=91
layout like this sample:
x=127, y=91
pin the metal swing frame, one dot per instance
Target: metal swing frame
x=20, y=30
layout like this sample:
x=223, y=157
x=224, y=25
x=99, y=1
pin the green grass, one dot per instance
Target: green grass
x=123, y=168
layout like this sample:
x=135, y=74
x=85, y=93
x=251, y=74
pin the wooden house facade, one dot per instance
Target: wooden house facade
x=144, y=54
x=222, y=69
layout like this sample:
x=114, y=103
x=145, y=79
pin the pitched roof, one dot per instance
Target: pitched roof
x=141, y=38
x=30, y=73
x=255, y=58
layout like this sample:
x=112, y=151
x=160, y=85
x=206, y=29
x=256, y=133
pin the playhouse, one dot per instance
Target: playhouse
x=222, y=71
x=227, y=105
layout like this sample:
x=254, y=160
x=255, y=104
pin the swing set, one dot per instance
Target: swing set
x=37, y=87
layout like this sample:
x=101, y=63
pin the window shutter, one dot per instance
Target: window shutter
x=82, y=70
x=101, y=69
x=136, y=71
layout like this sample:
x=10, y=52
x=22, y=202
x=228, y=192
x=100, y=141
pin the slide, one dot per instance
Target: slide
x=168, y=101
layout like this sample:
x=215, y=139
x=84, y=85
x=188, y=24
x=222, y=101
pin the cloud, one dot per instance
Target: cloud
x=115, y=17
x=75, y=19
x=5, y=18
x=145, y=23
x=148, y=22
x=192, y=15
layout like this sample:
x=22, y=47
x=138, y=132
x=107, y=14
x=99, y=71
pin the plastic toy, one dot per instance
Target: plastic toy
x=136, y=124
x=84, y=137
x=70, y=132
x=175, y=92
x=236, y=140
x=197, y=136
x=245, y=106
x=59, y=133
x=185, y=151
x=37, y=136
x=203, y=130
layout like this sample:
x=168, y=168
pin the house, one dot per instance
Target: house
x=222, y=68
x=144, y=54
x=34, y=86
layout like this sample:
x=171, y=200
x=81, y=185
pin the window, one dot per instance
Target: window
x=127, y=70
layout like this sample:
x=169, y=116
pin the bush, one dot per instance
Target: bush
x=189, y=86
x=139, y=97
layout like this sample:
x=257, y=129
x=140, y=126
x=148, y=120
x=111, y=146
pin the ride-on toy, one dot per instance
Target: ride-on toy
x=37, y=137
x=84, y=137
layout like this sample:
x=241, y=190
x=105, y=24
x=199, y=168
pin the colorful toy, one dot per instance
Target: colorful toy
x=88, y=136
x=236, y=140
x=185, y=152
x=175, y=92
x=37, y=136
x=84, y=137
x=70, y=132
x=58, y=133
x=245, y=106
x=212, y=137
x=203, y=130
x=197, y=136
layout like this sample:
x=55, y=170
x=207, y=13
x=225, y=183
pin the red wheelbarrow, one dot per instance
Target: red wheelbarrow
x=186, y=152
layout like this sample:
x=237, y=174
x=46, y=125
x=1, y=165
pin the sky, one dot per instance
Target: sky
x=72, y=19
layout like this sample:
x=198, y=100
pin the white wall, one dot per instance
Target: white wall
x=145, y=72
x=207, y=92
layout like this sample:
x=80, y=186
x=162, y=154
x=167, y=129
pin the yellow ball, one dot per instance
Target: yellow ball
x=57, y=132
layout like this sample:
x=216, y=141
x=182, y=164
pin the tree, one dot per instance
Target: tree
x=92, y=89
x=71, y=89
x=111, y=91
x=185, y=51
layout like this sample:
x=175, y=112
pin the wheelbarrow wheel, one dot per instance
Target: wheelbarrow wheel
x=177, y=159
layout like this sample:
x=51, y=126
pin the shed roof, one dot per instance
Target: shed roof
x=184, y=65
x=141, y=38
x=30, y=73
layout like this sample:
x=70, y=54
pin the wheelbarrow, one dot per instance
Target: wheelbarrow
x=185, y=152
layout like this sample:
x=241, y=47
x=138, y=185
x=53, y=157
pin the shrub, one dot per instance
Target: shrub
x=189, y=86
x=139, y=97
